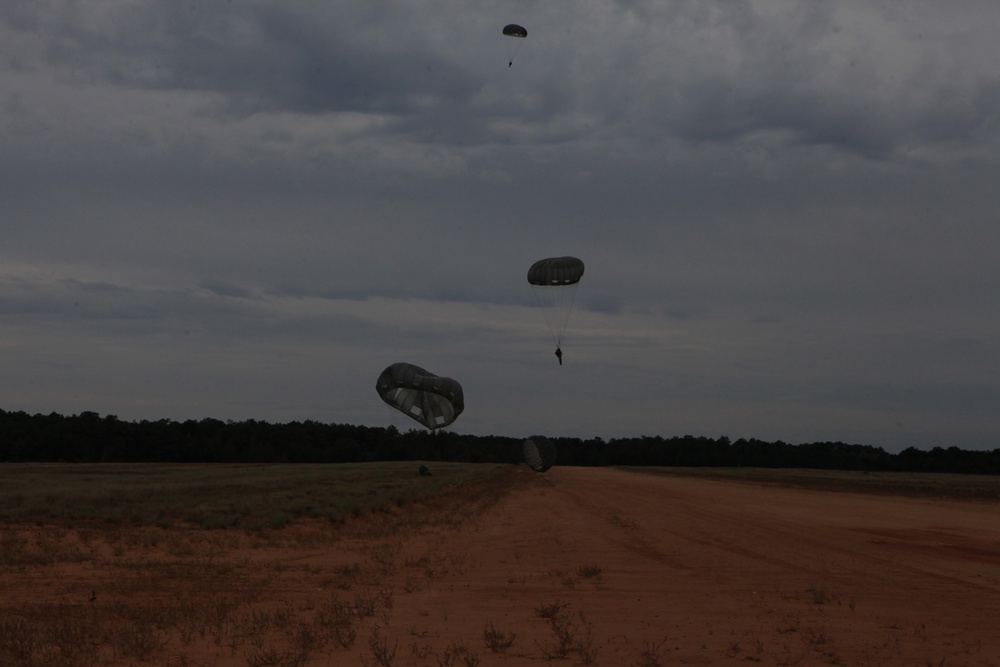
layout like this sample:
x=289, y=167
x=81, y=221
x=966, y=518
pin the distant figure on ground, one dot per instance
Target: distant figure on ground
x=425, y=471
x=559, y=355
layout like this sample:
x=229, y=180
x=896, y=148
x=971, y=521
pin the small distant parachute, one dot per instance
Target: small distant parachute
x=554, y=282
x=429, y=399
x=539, y=453
x=514, y=30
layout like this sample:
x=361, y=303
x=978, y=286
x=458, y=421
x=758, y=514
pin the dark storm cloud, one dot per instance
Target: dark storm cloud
x=801, y=69
x=263, y=57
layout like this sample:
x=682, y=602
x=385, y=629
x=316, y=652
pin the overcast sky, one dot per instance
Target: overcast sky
x=788, y=213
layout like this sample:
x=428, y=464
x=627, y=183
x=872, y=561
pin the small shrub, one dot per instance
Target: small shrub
x=269, y=657
x=549, y=611
x=651, y=655
x=379, y=646
x=570, y=637
x=365, y=603
x=458, y=653
x=497, y=641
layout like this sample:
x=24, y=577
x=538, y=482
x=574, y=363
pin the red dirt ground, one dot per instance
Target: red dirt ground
x=647, y=569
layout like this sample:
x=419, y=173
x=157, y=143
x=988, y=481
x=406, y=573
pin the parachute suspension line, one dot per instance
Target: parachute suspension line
x=545, y=308
x=513, y=55
x=554, y=282
x=556, y=304
x=566, y=313
x=517, y=32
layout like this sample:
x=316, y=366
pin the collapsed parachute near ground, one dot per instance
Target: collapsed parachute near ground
x=554, y=281
x=432, y=400
x=539, y=453
x=514, y=30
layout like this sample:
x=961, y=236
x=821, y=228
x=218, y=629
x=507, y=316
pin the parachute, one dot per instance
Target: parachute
x=539, y=453
x=429, y=399
x=554, y=283
x=514, y=30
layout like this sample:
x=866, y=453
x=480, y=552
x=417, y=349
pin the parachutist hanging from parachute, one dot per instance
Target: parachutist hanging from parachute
x=514, y=30
x=429, y=399
x=554, y=282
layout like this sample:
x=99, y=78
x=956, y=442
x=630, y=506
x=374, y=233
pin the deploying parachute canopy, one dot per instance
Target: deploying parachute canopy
x=427, y=398
x=554, y=282
x=539, y=453
x=514, y=30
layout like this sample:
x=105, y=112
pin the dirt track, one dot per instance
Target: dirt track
x=694, y=571
x=578, y=566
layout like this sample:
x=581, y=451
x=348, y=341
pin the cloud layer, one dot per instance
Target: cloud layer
x=248, y=210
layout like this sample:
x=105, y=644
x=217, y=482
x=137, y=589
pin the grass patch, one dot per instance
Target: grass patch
x=590, y=571
x=214, y=496
x=932, y=485
x=498, y=641
x=210, y=584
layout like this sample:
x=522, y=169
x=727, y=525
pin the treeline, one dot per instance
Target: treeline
x=89, y=437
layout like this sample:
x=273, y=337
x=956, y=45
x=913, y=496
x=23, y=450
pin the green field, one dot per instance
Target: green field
x=268, y=496
x=220, y=496
x=932, y=485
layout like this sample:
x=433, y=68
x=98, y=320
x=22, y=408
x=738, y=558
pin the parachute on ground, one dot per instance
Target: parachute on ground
x=554, y=282
x=539, y=453
x=432, y=400
x=514, y=30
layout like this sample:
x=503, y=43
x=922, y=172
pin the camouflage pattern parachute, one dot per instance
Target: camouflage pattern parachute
x=429, y=399
x=539, y=453
x=554, y=282
x=514, y=30
x=556, y=272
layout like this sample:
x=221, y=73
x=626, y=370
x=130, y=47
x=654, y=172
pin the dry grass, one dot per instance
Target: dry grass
x=185, y=567
x=933, y=485
x=498, y=641
x=253, y=497
x=573, y=634
x=280, y=584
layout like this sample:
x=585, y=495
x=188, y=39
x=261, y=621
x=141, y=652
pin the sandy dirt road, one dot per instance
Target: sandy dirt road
x=698, y=571
x=577, y=566
x=681, y=570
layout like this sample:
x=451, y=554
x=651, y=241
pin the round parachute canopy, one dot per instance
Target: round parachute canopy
x=514, y=30
x=539, y=453
x=556, y=271
x=554, y=282
x=429, y=399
